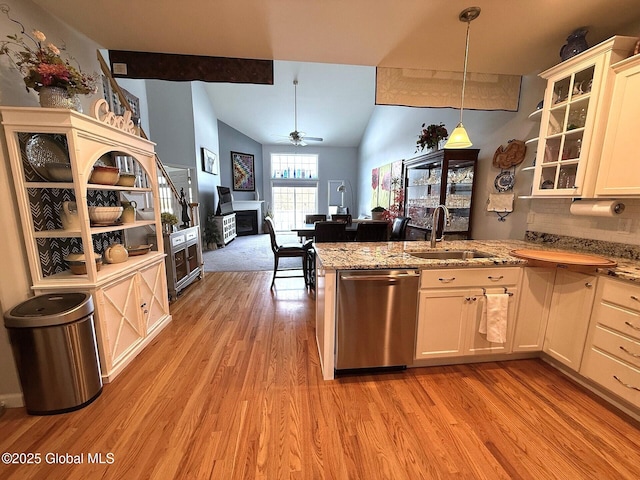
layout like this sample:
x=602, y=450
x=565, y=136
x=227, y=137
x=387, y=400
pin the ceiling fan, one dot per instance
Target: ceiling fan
x=299, y=138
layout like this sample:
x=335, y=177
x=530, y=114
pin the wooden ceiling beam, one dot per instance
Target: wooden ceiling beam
x=186, y=68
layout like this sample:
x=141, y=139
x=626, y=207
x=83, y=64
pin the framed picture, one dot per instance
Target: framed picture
x=244, y=178
x=210, y=162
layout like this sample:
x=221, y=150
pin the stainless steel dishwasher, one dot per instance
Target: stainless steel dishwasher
x=376, y=318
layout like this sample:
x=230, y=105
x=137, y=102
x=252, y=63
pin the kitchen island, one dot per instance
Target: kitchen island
x=548, y=313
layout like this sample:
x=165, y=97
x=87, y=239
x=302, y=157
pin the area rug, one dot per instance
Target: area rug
x=248, y=253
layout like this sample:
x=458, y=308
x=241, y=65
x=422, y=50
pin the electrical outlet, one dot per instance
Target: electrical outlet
x=624, y=225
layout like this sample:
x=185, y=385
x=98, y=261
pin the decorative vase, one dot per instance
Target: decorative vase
x=57, y=97
x=576, y=43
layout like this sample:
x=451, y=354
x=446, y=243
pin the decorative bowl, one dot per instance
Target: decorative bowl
x=126, y=180
x=104, y=215
x=104, y=175
x=135, y=250
x=59, y=172
x=77, y=263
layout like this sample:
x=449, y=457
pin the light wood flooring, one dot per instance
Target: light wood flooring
x=232, y=389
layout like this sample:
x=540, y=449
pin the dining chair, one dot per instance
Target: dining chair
x=286, y=250
x=399, y=229
x=372, y=232
x=338, y=217
x=315, y=217
x=330, y=232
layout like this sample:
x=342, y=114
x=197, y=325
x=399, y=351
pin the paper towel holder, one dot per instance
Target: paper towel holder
x=618, y=208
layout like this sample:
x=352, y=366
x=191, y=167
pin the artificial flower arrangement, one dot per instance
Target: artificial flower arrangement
x=431, y=136
x=41, y=65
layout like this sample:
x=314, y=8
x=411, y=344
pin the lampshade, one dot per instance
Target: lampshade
x=459, y=137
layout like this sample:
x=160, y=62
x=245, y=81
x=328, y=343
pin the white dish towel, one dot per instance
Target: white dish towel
x=493, y=323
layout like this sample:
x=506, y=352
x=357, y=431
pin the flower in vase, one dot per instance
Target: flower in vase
x=431, y=136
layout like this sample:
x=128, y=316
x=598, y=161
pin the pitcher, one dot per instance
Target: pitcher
x=69, y=216
x=128, y=212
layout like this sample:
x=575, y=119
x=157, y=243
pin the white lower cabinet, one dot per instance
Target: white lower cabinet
x=129, y=312
x=570, y=310
x=451, y=306
x=612, y=354
x=533, y=309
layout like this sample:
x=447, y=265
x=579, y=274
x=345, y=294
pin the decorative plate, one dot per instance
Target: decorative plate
x=504, y=181
x=42, y=149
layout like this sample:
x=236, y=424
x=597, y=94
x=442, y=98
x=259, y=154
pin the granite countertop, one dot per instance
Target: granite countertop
x=389, y=255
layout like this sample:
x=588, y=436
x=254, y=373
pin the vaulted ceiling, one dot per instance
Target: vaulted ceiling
x=513, y=37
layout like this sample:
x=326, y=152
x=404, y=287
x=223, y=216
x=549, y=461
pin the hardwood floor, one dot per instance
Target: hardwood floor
x=232, y=389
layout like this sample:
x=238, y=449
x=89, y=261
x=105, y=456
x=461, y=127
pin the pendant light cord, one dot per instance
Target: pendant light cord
x=464, y=75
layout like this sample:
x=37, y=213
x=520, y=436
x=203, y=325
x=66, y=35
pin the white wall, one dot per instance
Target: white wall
x=392, y=133
x=334, y=163
x=15, y=279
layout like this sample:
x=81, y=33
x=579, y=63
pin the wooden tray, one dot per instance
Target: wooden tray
x=554, y=259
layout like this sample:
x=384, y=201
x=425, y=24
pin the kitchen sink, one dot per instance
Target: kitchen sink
x=451, y=254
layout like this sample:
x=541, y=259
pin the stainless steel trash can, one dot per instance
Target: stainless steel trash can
x=54, y=344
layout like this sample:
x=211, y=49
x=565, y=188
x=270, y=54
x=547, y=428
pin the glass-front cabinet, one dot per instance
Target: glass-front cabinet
x=443, y=177
x=576, y=99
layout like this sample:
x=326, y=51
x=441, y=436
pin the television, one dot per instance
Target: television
x=225, y=201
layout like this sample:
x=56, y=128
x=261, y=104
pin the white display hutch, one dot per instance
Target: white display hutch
x=130, y=298
x=574, y=120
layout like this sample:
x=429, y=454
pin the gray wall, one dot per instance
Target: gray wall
x=231, y=140
x=334, y=163
x=392, y=133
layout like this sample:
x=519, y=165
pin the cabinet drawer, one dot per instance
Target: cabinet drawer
x=178, y=240
x=618, y=345
x=612, y=374
x=621, y=293
x=470, y=277
x=191, y=235
x=620, y=319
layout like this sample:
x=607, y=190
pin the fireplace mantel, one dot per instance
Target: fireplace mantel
x=239, y=205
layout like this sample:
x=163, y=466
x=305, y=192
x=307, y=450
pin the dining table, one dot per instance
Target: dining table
x=308, y=229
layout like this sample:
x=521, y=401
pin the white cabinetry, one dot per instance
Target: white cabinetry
x=533, y=309
x=451, y=305
x=130, y=298
x=612, y=355
x=226, y=227
x=569, y=314
x=619, y=173
x=574, y=120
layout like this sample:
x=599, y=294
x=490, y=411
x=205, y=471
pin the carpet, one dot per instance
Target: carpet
x=249, y=253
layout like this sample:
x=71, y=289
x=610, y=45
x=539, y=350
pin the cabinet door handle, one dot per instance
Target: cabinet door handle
x=629, y=324
x=495, y=279
x=635, y=355
x=633, y=297
x=447, y=280
x=626, y=384
x=588, y=285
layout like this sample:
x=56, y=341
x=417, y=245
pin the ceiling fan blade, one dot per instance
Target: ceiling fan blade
x=314, y=139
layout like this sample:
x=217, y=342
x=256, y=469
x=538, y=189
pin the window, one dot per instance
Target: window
x=294, y=189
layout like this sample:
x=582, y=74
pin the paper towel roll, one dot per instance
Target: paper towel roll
x=600, y=208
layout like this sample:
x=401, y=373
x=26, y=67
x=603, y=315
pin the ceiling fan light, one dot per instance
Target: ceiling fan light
x=458, y=138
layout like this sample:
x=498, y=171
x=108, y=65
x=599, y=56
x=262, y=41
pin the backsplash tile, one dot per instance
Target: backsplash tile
x=552, y=216
x=601, y=247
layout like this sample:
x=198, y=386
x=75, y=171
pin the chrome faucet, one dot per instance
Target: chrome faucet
x=434, y=224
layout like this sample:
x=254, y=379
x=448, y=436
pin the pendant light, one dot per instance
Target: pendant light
x=459, y=137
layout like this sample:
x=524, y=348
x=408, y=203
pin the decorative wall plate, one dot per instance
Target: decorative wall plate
x=511, y=155
x=504, y=181
x=42, y=149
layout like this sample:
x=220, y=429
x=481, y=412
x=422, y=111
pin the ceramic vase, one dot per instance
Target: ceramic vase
x=57, y=97
x=576, y=43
